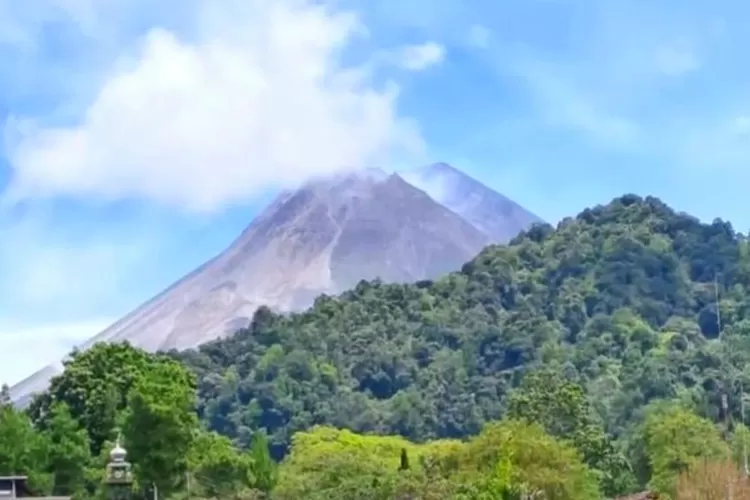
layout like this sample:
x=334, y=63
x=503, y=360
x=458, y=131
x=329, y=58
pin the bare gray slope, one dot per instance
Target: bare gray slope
x=324, y=237
x=497, y=215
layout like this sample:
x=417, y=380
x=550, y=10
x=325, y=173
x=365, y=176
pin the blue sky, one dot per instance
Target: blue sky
x=140, y=137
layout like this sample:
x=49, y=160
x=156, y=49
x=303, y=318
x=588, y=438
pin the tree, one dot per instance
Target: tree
x=262, y=467
x=500, y=484
x=740, y=444
x=5, y=395
x=675, y=441
x=546, y=397
x=218, y=467
x=68, y=452
x=327, y=463
x=23, y=450
x=94, y=385
x=514, y=457
x=159, y=426
x=404, y=460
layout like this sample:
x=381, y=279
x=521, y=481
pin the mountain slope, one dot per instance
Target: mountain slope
x=496, y=215
x=620, y=298
x=322, y=238
x=617, y=306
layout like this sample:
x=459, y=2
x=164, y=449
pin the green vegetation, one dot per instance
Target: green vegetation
x=582, y=362
x=63, y=440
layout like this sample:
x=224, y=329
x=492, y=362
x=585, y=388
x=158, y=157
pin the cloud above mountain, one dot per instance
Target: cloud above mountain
x=119, y=116
x=257, y=94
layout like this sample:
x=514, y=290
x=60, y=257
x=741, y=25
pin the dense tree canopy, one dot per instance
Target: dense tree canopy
x=147, y=399
x=583, y=361
x=620, y=300
x=95, y=387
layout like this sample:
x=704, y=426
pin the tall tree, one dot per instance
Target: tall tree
x=160, y=424
x=94, y=386
x=546, y=397
x=219, y=469
x=263, y=466
x=5, y=395
x=68, y=452
x=404, y=460
x=23, y=450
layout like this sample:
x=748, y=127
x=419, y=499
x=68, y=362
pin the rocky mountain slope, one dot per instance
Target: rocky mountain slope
x=322, y=238
x=489, y=211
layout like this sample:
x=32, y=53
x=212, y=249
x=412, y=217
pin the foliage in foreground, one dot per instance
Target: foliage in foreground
x=551, y=447
x=150, y=400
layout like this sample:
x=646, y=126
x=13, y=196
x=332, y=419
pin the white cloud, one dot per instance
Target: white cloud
x=479, y=36
x=260, y=97
x=419, y=57
x=32, y=347
x=215, y=103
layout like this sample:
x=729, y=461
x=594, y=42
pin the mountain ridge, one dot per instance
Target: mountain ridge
x=494, y=213
x=324, y=237
x=620, y=300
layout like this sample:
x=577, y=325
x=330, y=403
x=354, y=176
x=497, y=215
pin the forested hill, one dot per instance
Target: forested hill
x=579, y=363
x=621, y=299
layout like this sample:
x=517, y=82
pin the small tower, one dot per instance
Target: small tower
x=119, y=477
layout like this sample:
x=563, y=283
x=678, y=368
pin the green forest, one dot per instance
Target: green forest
x=601, y=358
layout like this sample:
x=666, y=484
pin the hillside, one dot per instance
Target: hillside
x=321, y=238
x=620, y=298
x=576, y=363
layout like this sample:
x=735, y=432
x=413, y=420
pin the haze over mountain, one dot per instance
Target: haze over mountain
x=489, y=211
x=322, y=238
